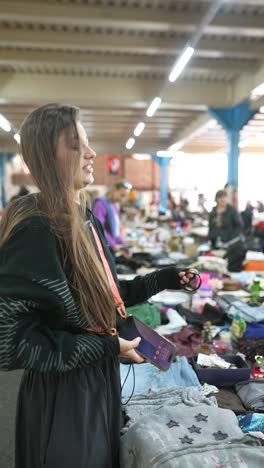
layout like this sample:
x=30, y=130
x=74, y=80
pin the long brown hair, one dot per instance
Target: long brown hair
x=39, y=135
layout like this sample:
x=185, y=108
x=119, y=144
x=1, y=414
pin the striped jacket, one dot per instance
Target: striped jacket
x=41, y=325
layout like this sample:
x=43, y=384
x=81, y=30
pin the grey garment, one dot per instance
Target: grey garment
x=251, y=392
x=248, y=313
x=200, y=435
x=142, y=405
x=243, y=452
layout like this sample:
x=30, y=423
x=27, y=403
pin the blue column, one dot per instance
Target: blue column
x=2, y=177
x=233, y=154
x=10, y=156
x=232, y=120
x=163, y=163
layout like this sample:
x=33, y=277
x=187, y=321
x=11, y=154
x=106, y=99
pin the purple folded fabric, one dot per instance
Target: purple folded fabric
x=185, y=340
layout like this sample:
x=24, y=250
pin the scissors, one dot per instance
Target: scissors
x=195, y=280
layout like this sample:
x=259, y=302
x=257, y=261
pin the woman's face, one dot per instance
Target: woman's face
x=76, y=158
x=120, y=195
x=222, y=202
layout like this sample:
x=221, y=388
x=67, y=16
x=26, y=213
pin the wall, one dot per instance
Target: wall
x=143, y=175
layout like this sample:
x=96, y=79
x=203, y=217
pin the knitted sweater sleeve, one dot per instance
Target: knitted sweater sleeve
x=141, y=288
x=33, y=326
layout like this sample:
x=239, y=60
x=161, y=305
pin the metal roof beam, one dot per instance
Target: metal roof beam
x=142, y=19
x=244, y=85
x=131, y=44
x=24, y=88
x=90, y=61
x=240, y=90
x=196, y=126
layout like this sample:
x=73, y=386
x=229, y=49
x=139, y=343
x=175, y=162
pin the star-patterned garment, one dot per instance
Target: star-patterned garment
x=194, y=429
x=201, y=417
x=186, y=440
x=168, y=433
x=220, y=435
x=172, y=424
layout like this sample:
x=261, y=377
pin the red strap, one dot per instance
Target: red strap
x=117, y=298
x=101, y=331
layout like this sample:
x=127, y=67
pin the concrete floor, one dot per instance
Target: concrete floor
x=9, y=382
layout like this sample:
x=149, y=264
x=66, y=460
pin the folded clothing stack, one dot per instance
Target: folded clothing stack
x=185, y=341
x=227, y=398
x=190, y=432
x=251, y=393
x=247, y=312
x=146, y=377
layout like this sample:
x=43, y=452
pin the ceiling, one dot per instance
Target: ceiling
x=112, y=57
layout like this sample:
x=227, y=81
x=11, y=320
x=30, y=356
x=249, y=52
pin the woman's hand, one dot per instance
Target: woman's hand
x=183, y=277
x=127, y=349
x=172, y=278
x=187, y=278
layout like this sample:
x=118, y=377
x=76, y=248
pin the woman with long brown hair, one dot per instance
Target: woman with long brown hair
x=60, y=305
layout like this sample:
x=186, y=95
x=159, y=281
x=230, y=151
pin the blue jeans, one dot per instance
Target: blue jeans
x=149, y=377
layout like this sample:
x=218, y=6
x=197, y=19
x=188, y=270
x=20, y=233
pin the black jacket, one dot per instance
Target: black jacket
x=231, y=225
x=41, y=325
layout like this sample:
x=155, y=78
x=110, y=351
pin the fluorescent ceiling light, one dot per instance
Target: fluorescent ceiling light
x=257, y=92
x=130, y=142
x=153, y=106
x=181, y=64
x=176, y=146
x=4, y=124
x=141, y=156
x=139, y=128
x=17, y=138
x=169, y=154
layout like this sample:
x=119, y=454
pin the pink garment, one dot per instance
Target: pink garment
x=185, y=340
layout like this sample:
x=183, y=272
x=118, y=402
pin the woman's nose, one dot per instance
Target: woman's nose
x=90, y=153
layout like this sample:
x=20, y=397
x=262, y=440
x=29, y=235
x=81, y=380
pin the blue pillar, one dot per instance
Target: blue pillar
x=163, y=163
x=10, y=156
x=232, y=120
x=233, y=154
x=2, y=178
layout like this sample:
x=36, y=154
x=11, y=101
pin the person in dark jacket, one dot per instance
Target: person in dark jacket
x=61, y=304
x=247, y=218
x=226, y=231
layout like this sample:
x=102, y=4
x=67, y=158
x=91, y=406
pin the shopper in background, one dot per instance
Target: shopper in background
x=107, y=210
x=247, y=218
x=226, y=231
x=60, y=307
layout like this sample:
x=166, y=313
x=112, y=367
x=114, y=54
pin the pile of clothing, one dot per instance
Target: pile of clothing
x=171, y=419
x=176, y=427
